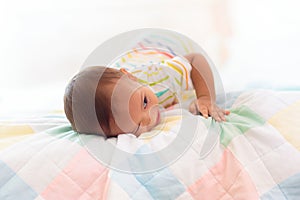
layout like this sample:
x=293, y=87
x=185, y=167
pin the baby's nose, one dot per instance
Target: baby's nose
x=146, y=120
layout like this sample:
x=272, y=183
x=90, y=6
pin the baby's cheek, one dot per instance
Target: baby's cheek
x=133, y=113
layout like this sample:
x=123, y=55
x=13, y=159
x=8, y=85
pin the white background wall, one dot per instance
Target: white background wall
x=265, y=45
x=44, y=43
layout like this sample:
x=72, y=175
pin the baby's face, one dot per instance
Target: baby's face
x=134, y=107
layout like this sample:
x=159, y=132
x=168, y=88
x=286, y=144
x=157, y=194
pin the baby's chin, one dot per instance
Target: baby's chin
x=148, y=128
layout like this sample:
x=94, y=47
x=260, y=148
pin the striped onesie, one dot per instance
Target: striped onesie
x=168, y=79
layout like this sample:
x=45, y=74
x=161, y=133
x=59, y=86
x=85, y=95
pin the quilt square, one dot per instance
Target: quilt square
x=10, y=183
x=226, y=180
x=78, y=177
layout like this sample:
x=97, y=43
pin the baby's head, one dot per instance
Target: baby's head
x=107, y=101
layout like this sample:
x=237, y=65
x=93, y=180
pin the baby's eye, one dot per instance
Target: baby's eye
x=145, y=102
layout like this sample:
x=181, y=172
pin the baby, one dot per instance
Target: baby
x=128, y=102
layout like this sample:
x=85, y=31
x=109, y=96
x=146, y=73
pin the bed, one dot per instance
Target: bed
x=253, y=155
x=256, y=157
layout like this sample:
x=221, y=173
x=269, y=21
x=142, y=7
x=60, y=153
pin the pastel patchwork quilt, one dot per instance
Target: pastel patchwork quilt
x=253, y=155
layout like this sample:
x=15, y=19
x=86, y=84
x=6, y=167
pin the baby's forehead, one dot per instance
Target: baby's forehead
x=125, y=85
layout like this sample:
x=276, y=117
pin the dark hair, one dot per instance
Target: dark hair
x=87, y=99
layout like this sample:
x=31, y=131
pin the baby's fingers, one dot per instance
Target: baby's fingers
x=216, y=115
x=220, y=115
x=226, y=112
x=203, y=110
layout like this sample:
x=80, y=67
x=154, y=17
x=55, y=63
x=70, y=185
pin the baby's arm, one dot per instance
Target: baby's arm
x=203, y=82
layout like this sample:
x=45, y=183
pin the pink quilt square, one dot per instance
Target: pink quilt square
x=83, y=177
x=226, y=180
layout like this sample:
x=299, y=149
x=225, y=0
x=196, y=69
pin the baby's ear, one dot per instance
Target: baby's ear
x=124, y=71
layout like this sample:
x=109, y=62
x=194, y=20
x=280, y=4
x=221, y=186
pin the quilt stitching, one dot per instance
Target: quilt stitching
x=37, y=153
x=92, y=183
x=263, y=162
x=145, y=183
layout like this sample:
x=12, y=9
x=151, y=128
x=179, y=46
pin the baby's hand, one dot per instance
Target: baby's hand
x=204, y=106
